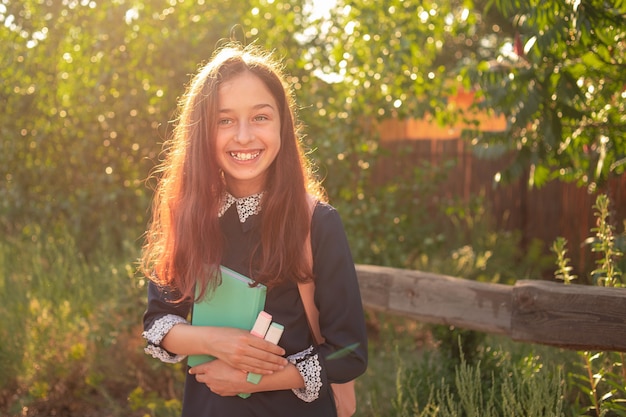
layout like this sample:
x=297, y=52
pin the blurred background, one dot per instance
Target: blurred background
x=461, y=137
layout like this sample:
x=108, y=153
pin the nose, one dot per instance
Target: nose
x=243, y=134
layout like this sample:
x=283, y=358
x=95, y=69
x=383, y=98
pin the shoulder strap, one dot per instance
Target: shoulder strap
x=307, y=290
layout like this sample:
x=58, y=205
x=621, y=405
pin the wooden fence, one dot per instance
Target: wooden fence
x=556, y=210
x=577, y=317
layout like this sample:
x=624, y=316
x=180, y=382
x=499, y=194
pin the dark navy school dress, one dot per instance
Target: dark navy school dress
x=341, y=320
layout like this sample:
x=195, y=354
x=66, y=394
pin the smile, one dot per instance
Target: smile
x=245, y=156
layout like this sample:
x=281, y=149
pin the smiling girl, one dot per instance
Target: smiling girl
x=233, y=192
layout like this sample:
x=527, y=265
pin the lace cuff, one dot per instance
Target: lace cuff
x=155, y=335
x=309, y=367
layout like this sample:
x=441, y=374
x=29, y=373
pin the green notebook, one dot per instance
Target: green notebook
x=233, y=304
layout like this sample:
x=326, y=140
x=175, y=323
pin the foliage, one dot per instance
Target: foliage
x=90, y=89
x=154, y=404
x=595, y=379
x=602, y=375
x=397, y=60
x=504, y=386
x=472, y=248
x=600, y=382
x=559, y=80
x=608, y=273
x=563, y=266
x=554, y=69
x=70, y=333
x=392, y=223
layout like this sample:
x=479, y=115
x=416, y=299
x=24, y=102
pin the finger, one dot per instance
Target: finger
x=266, y=346
x=199, y=378
x=263, y=367
x=265, y=360
x=197, y=369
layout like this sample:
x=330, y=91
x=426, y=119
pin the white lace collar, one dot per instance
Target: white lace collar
x=246, y=206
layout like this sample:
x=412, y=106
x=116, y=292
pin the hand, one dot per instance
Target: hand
x=243, y=351
x=221, y=378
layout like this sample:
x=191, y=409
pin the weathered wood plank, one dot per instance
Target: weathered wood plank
x=571, y=316
x=437, y=298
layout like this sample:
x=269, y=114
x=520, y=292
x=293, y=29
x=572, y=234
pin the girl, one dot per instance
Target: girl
x=233, y=192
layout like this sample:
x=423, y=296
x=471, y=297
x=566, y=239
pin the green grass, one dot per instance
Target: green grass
x=70, y=325
x=411, y=375
x=393, y=342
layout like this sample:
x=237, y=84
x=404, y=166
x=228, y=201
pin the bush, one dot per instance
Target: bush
x=500, y=384
x=71, y=329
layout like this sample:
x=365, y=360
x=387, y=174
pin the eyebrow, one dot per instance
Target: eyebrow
x=255, y=107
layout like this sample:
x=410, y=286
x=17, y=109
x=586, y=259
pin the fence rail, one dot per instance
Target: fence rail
x=576, y=317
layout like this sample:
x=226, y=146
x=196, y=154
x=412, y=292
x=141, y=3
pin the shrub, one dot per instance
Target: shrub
x=71, y=329
x=600, y=378
x=507, y=386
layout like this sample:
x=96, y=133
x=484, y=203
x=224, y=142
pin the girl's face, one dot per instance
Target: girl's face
x=248, y=133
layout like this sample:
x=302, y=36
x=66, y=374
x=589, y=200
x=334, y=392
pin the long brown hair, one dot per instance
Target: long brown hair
x=184, y=242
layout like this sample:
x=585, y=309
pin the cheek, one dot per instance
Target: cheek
x=279, y=138
x=219, y=143
x=218, y=140
x=278, y=145
x=216, y=150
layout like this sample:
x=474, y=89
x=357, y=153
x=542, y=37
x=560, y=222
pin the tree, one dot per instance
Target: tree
x=561, y=82
x=555, y=69
x=88, y=90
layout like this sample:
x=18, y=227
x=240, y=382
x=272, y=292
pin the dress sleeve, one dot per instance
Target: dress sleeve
x=161, y=315
x=307, y=363
x=343, y=355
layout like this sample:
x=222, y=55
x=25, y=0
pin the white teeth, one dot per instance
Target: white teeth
x=243, y=156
